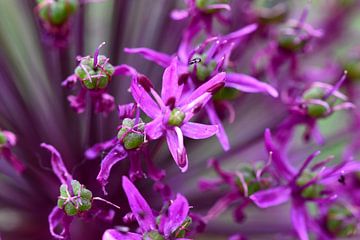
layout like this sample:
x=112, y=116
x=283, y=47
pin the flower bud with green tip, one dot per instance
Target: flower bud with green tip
x=271, y=12
x=176, y=117
x=3, y=138
x=94, y=77
x=56, y=12
x=312, y=191
x=75, y=200
x=131, y=135
x=340, y=222
x=203, y=69
x=292, y=40
x=205, y=5
x=253, y=183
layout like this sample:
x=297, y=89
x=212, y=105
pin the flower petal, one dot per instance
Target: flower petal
x=176, y=215
x=154, y=129
x=214, y=119
x=58, y=165
x=198, y=130
x=271, y=197
x=246, y=83
x=117, y=154
x=141, y=97
x=175, y=143
x=240, y=33
x=170, y=82
x=98, y=148
x=280, y=163
x=298, y=218
x=57, y=219
x=139, y=207
x=159, y=58
x=124, y=69
x=113, y=234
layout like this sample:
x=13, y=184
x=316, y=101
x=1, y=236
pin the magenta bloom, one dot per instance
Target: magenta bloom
x=170, y=223
x=171, y=112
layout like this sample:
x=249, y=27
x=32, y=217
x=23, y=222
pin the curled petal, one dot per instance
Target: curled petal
x=124, y=69
x=57, y=219
x=113, y=234
x=70, y=81
x=78, y=102
x=176, y=215
x=12, y=159
x=159, y=58
x=175, y=143
x=198, y=130
x=139, y=207
x=271, y=197
x=117, y=154
x=58, y=165
x=298, y=218
x=98, y=148
x=246, y=83
x=105, y=104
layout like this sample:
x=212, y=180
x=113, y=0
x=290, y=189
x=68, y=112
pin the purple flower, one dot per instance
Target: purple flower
x=172, y=110
x=94, y=74
x=301, y=186
x=171, y=223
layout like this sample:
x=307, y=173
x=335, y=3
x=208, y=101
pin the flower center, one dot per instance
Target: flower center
x=176, y=117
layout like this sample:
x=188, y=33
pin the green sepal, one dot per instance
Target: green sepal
x=85, y=205
x=60, y=203
x=86, y=194
x=76, y=186
x=133, y=140
x=291, y=42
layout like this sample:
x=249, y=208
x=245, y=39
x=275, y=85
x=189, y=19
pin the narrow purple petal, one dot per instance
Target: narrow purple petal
x=98, y=148
x=117, y=154
x=298, y=218
x=240, y=33
x=176, y=215
x=215, y=120
x=175, y=143
x=170, y=82
x=159, y=58
x=146, y=103
x=112, y=234
x=208, y=87
x=77, y=103
x=154, y=129
x=332, y=174
x=70, y=81
x=198, y=130
x=139, y=207
x=246, y=83
x=58, y=165
x=221, y=205
x=126, y=110
x=282, y=166
x=57, y=219
x=96, y=53
x=271, y=197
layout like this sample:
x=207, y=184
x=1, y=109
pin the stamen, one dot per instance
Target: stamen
x=337, y=85
x=96, y=54
x=106, y=201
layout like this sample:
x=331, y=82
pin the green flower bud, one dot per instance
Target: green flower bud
x=153, y=235
x=253, y=184
x=340, y=221
x=226, y=93
x=57, y=12
x=203, y=71
x=271, y=12
x=3, y=138
x=314, y=190
x=78, y=201
x=176, y=117
x=203, y=4
x=131, y=139
x=353, y=69
x=99, y=76
x=291, y=42
x=70, y=209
